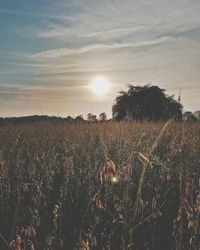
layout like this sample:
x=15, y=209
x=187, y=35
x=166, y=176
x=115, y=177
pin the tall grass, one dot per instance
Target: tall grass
x=50, y=174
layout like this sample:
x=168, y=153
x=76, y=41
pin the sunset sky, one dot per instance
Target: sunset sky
x=51, y=51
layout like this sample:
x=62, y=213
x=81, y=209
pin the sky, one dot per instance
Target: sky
x=51, y=51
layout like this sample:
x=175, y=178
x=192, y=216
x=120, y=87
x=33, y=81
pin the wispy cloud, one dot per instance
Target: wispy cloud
x=34, y=14
x=58, y=32
x=26, y=92
x=54, y=53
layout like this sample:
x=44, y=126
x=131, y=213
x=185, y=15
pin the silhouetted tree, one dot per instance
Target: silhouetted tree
x=69, y=119
x=197, y=114
x=91, y=117
x=189, y=116
x=145, y=103
x=79, y=118
x=102, y=117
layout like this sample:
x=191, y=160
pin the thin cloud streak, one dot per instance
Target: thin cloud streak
x=34, y=15
x=59, y=33
x=54, y=53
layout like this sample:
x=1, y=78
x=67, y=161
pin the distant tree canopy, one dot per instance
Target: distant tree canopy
x=79, y=118
x=91, y=117
x=145, y=103
x=189, y=116
x=102, y=117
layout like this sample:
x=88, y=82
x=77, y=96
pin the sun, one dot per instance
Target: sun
x=100, y=86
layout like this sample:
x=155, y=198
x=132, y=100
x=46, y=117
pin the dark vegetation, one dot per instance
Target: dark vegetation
x=60, y=191
x=147, y=102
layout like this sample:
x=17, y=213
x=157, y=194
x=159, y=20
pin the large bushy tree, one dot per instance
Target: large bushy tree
x=145, y=103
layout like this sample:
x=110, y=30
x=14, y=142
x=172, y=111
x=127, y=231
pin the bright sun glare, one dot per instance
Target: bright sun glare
x=100, y=86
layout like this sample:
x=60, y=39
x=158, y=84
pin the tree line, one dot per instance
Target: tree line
x=138, y=103
x=146, y=103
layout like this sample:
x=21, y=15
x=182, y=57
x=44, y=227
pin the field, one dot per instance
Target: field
x=60, y=190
